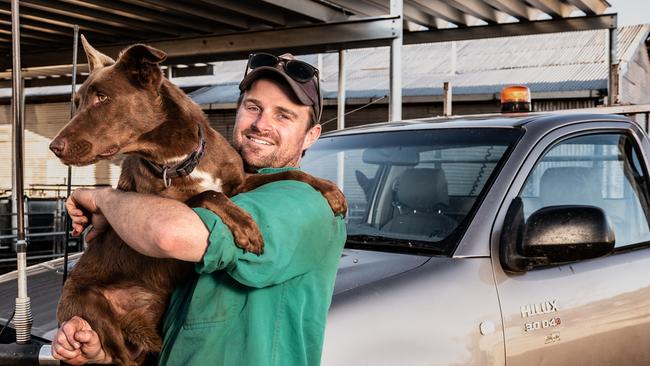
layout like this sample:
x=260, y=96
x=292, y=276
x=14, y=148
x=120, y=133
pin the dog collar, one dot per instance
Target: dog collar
x=181, y=169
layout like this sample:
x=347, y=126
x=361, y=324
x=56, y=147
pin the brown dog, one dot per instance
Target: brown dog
x=128, y=107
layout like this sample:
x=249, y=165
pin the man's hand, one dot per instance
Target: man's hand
x=76, y=343
x=83, y=210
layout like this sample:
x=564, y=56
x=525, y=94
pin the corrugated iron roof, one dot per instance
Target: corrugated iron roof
x=561, y=62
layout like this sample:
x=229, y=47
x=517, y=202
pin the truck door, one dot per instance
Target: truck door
x=589, y=312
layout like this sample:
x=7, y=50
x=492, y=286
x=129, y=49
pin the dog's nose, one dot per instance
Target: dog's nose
x=57, y=146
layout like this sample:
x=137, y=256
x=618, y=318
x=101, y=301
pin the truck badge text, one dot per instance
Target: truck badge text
x=545, y=307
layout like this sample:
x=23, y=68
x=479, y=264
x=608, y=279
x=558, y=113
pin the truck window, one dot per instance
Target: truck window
x=411, y=190
x=600, y=170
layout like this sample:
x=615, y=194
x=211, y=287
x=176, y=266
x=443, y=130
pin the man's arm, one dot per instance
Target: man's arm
x=152, y=225
x=300, y=235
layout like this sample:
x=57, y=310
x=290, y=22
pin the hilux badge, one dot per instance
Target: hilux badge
x=545, y=307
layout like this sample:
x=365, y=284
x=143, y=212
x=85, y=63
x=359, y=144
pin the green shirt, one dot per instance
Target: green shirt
x=248, y=310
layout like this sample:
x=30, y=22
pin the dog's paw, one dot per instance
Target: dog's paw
x=248, y=237
x=244, y=230
x=335, y=198
x=337, y=201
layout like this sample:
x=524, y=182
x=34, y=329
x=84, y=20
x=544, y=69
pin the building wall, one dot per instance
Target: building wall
x=635, y=81
x=44, y=175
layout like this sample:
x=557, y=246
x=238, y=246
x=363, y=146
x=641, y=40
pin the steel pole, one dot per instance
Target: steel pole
x=340, y=120
x=395, y=101
x=613, y=86
x=23, y=317
x=68, y=222
x=446, y=102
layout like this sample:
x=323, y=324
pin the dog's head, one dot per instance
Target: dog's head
x=118, y=103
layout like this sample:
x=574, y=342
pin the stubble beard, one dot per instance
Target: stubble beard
x=252, y=160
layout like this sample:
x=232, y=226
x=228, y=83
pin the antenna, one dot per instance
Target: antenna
x=23, y=313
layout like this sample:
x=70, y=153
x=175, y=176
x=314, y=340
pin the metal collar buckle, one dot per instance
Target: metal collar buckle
x=181, y=169
x=166, y=179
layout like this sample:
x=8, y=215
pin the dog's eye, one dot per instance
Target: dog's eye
x=101, y=97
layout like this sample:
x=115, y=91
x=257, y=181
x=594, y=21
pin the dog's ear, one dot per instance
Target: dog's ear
x=96, y=59
x=141, y=63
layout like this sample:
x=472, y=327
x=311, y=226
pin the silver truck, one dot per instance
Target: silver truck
x=520, y=240
x=491, y=241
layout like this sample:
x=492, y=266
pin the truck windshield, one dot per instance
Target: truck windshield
x=412, y=190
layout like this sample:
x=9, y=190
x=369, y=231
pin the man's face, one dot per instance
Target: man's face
x=270, y=128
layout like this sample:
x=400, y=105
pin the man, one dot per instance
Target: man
x=240, y=309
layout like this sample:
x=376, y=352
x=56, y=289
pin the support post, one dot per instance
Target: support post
x=446, y=104
x=340, y=102
x=23, y=316
x=395, y=100
x=613, y=95
x=340, y=120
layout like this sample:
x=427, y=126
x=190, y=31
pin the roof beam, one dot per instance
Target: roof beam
x=5, y=18
x=67, y=22
x=309, y=9
x=140, y=14
x=477, y=9
x=412, y=12
x=22, y=41
x=36, y=35
x=418, y=15
x=606, y=21
x=554, y=8
x=180, y=6
x=26, y=24
x=366, y=32
x=591, y=7
x=515, y=8
x=94, y=16
x=260, y=14
x=443, y=10
x=362, y=8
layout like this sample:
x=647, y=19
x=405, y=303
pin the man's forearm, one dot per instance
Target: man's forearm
x=154, y=226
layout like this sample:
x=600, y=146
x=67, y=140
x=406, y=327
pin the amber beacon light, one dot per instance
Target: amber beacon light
x=515, y=98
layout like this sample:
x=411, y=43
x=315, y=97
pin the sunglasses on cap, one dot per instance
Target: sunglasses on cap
x=299, y=71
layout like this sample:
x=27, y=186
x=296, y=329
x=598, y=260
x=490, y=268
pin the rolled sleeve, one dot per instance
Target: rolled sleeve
x=221, y=252
x=298, y=228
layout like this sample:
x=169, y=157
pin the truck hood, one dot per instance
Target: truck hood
x=359, y=268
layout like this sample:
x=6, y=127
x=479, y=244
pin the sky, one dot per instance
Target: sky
x=631, y=11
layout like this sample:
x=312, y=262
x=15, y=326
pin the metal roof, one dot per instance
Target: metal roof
x=547, y=64
x=209, y=30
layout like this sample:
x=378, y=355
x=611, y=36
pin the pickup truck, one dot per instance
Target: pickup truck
x=520, y=240
x=490, y=240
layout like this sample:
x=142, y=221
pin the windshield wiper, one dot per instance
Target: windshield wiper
x=370, y=241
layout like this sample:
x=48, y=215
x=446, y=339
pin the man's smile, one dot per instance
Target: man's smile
x=259, y=141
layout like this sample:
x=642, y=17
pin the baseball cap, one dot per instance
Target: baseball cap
x=285, y=66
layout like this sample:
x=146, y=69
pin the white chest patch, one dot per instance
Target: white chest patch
x=206, y=180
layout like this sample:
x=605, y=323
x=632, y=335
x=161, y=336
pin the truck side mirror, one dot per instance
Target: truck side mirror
x=554, y=235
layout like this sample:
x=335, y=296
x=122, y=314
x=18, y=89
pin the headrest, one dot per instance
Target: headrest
x=422, y=188
x=570, y=185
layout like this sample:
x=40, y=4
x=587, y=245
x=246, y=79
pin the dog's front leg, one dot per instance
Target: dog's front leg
x=329, y=190
x=245, y=231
